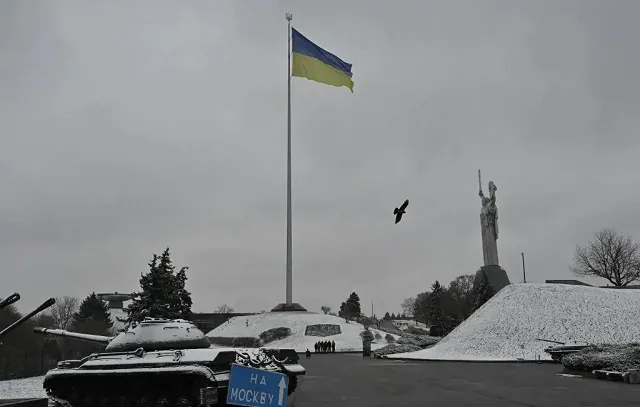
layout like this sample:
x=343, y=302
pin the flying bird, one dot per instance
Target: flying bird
x=401, y=211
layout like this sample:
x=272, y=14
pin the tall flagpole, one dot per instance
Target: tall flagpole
x=289, y=300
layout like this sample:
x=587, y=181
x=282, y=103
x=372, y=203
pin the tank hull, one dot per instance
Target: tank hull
x=190, y=377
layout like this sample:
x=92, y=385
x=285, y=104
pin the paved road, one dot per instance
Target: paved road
x=349, y=380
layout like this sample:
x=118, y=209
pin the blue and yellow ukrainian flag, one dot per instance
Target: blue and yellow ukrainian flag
x=312, y=62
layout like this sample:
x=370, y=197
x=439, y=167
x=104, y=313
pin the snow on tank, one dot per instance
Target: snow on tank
x=151, y=334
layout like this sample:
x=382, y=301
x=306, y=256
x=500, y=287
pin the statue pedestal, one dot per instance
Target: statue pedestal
x=282, y=307
x=496, y=276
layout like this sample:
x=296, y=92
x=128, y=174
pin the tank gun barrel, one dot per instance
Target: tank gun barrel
x=550, y=341
x=9, y=300
x=48, y=303
x=104, y=340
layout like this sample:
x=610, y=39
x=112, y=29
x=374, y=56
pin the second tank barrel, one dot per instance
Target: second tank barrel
x=9, y=300
x=41, y=308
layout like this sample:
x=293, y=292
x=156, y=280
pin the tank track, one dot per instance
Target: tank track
x=129, y=391
x=138, y=391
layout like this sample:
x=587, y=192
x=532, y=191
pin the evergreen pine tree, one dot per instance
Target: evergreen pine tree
x=343, y=312
x=435, y=313
x=184, y=296
x=386, y=316
x=350, y=309
x=353, y=304
x=93, y=316
x=163, y=292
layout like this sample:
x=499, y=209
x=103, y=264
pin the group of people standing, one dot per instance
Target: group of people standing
x=325, y=347
x=322, y=347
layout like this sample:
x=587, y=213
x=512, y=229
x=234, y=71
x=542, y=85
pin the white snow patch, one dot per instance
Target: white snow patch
x=348, y=340
x=22, y=388
x=508, y=325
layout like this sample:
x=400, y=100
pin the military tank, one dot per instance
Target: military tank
x=561, y=349
x=157, y=362
x=15, y=297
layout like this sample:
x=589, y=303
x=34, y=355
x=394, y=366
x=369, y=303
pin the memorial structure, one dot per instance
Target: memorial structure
x=496, y=276
x=115, y=303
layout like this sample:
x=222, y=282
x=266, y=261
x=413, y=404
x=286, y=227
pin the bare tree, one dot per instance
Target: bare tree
x=63, y=310
x=224, y=309
x=326, y=309
x=408, y=305
x=610, y=256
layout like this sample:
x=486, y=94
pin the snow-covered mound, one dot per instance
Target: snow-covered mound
x=300, y=325
x=22, y=388
x=508, y=325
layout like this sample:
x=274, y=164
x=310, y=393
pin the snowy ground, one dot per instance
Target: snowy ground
x=22, y=388
x=507, y=326
x=348, y=340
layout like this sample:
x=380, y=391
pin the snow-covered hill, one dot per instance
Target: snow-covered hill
x=252, y=326
x=507, y=326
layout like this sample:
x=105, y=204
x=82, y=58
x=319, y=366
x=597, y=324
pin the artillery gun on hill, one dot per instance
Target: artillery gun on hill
x=561, y=349
x=157, y=362
x=15, y=297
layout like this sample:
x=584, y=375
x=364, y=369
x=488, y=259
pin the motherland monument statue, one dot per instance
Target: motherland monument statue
x=495, y=274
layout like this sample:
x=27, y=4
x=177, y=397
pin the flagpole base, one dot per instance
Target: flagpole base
x=282, y=307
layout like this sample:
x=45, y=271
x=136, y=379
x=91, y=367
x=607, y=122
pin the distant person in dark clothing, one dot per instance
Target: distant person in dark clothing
x=333, y=347
x=308, y=354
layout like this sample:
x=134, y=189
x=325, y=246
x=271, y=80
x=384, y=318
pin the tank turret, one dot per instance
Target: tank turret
x=157, y=362
x=16, y=297
x=150, y=335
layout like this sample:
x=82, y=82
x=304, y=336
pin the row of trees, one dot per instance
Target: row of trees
x=441, y=308
x=392, y=316
x=444, y=308
x=23, y=354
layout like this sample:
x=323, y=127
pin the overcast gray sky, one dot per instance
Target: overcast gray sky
x=126, y=127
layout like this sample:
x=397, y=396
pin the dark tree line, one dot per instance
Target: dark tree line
x=392, y=316
x=24, y=353
x=444, y=308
